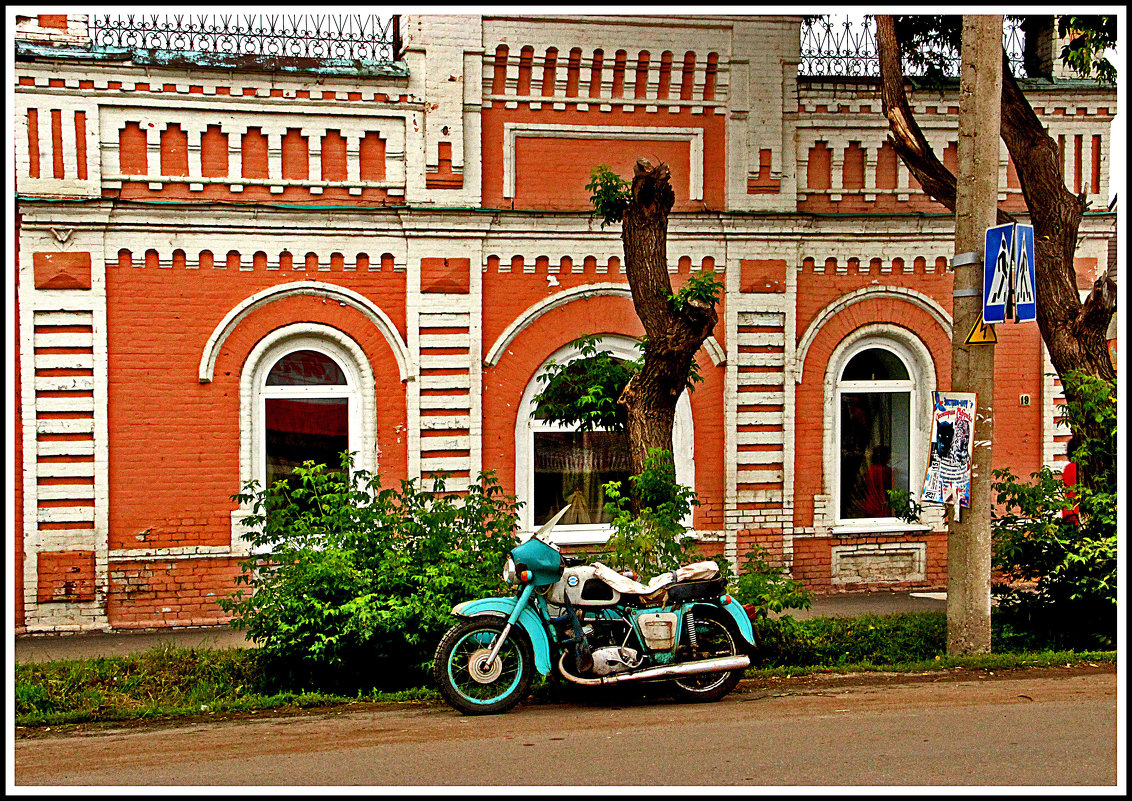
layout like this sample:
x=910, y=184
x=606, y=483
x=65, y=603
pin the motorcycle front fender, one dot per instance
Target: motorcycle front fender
x=739, y=614
x=528, y=620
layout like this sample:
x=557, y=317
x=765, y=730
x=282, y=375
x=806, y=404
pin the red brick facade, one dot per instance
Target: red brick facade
x=432, y=234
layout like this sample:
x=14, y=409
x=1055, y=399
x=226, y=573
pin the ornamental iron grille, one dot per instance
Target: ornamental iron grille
x=841, y=46
x=355, y=37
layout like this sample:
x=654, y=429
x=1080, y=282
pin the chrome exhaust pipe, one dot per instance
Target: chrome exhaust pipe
x=715, y=665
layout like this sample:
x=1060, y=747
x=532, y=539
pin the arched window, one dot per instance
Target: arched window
x=555, y=464
x=875, y=399
x=305, y=404
x=307, y=391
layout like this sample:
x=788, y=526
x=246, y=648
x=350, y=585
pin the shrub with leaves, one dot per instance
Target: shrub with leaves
x=764, y=588
x=655, y=540
x=352, y=584
x=702, y=287
x=1060, y=569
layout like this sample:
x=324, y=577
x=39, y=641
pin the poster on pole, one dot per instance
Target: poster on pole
x=948, y=477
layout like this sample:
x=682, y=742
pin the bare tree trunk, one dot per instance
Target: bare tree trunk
x=673, y=335
x=1073, y=332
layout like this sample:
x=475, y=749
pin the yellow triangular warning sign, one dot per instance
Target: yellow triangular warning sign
x=981, y=334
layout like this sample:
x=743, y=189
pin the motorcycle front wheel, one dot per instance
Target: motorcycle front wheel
x=714, y=638
x=464, y=678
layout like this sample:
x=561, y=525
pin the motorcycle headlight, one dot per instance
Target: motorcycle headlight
x=509, y=572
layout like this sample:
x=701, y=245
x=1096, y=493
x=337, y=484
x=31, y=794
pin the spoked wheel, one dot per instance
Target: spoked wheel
x=465, y=679
x=714, y=638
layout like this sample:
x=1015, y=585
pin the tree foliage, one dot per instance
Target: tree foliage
x=1055, y=545
x=584, y=392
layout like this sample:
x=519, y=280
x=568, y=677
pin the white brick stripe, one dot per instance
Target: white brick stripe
x=61, y=340
x=444, y=463
x=760, y=339
x=43, y=404
x=759, y=399
x=759, y=418
x=453, y=361
x=73, y=361
x=64, y=317
x=749, y=476
x=760, y=496
x=55, y=492
x=768, y=379
x=445, y=443
x=758, y=457
x=776, y=319
x=445, y=422
x=458, y=381
x=445, y=340
x=761, y=360
x=62, y=383
x=444, y=402
x=431, y=319
x=758, y=438
x=65, y=448
x=64, y=469
x=65, y=426
x=66, y=514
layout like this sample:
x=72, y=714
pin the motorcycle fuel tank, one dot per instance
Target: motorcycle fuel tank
x=584, y=588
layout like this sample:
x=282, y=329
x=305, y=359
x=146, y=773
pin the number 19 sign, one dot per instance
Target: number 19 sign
x=1008, y=274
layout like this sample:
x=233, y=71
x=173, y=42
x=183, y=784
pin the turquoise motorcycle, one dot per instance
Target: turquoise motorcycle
x=592, y=626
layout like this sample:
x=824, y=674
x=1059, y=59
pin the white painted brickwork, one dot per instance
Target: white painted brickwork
x=73, y=321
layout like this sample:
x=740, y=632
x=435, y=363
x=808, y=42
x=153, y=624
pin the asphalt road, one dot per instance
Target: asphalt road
x=1037, y=727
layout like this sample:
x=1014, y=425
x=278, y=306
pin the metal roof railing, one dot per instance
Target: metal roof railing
x=355, y=37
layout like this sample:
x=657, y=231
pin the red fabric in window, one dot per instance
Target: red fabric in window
x=307, y=417
x=1069, y=479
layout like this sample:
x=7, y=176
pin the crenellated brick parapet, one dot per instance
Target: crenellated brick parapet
x=845, y=163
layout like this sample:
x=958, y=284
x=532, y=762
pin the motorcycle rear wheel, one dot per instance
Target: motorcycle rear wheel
x=715, y=638
x=460, y=673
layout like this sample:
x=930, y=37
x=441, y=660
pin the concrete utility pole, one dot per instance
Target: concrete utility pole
x=972, y=366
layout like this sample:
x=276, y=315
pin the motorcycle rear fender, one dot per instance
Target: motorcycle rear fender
x=528, y=621
x=737, y=612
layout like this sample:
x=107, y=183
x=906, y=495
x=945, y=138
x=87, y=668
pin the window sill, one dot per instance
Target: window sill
x=878, y=527
x=591, y=535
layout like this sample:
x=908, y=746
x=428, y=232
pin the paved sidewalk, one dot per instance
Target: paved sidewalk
x=46, y=647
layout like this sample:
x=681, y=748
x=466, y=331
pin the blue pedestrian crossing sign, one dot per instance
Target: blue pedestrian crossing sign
x=1025, y=298
x=1008, y=274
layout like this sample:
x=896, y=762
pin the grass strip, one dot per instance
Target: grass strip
x=167, y=683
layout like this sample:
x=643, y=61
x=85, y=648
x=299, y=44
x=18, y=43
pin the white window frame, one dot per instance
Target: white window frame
x=323, y=391
x=683, y=443
x=917, y=360
x=359, y=391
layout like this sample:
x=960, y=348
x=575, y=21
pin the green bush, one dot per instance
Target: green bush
x=1059, y=573
x=357, y=582
x=654, y=541
x=767, y=588
x=839, y=641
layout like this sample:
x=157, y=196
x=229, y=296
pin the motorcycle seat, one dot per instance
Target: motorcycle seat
x=696, y=579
